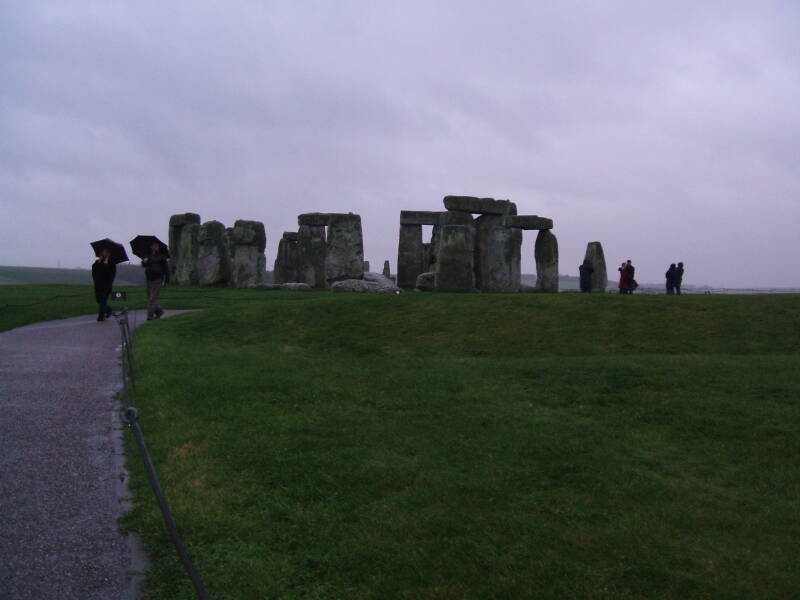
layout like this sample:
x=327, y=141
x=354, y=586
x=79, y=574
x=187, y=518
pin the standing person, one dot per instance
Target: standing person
x=678, y=278
x=670, y=276
x=156, y=271
x=623, y=279
x=103, y=273
x=630, y=271
x=586, y=270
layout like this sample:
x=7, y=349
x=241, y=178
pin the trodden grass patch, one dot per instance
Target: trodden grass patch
x=474, y=446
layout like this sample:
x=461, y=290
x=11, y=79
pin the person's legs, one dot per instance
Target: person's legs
x=153, y=289
x=678, y=289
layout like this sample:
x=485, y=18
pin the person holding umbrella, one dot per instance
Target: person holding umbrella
x=154, y=254
x=109, y=253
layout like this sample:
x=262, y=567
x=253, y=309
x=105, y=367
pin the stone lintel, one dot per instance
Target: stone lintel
x=290, y=236
x=528, y=222
x=419, y=217
x=313, y=219
x=483, y=206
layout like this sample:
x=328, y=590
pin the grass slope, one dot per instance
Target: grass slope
x=475, y=446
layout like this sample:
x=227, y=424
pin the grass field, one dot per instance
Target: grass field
x=476, y=446
x=318, y=445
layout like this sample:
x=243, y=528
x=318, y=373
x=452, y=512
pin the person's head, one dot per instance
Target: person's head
x=105, y=253
x=629, y=261
x=680, y=264
x=155, y=247
x=672, y=265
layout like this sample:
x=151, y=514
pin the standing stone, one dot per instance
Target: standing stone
x=386, y=270
x=185, y=265
x=286, y=261
x=546, y=253
x=311, y=255
x=455, y=253
x=366, y=266
x=248, y=241
x=176, y=225
x=344, y=258
x=594, y=254
x=213, y=255
x=498, y=252
x=409, y=255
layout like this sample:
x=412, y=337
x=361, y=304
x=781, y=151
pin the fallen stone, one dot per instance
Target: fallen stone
x=213, y=255
x=419, y=217
x=484, y=206
x=385, y=284
x=546, y=255
x=359, y=286
x=527, y=222
x=594, y=254
x=296, y=286
x=426, y=282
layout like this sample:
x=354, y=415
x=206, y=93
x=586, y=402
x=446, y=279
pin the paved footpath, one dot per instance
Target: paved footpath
x=62, y=479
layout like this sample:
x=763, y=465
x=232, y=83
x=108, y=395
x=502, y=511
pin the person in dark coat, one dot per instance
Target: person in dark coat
x=586, y=270
x=103, y=273
x=670, y=276
x=156, y=271
x=623, y=279
x=630, y=271
x=678, y=278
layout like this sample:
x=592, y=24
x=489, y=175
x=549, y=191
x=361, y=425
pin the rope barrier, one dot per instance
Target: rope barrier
x=131, y=418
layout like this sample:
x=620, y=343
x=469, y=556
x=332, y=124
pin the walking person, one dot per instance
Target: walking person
x=670, y=277
x=586, y=270
x=678, y=278
x=156, y=271
x=103, y=273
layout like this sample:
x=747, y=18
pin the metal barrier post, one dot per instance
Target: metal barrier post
x=131, y=418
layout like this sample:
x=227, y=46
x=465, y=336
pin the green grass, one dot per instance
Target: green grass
x=474, y=446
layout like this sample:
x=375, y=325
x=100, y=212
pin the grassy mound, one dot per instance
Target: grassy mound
x=475, y=446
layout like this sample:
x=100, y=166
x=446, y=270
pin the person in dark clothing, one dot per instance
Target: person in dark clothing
x=586, y=270
x=103, y=273
x=670, y=276
x=623, y=279
x=678, y=278
x=156, y=271
x=630, y=271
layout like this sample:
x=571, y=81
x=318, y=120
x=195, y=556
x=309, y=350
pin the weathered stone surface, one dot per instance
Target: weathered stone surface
x=213, y=255
x=366, y=266
x=314, y=219
x=455, y=259
x=426, y=282
x=287, y=265
x=248, y=240
x=296, y=286
x=455, y=217
x=344, y=257
x=409, y=255
x=187, y=250
x=484, y=206
x=359, y=286
x=594, y=254
x=528, y=222
x=419, y=217
x=385, y=284
x=497, y=255
x=386, y=270
x=311, y=255
x=176, y=225
x=546, y=254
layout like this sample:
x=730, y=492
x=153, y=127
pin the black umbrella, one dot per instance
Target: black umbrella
x=140, y=245
x=118, y=254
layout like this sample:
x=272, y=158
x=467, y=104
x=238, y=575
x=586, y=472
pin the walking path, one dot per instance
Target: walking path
x=62, y=479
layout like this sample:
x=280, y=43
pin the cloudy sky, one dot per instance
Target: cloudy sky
x=666, y=130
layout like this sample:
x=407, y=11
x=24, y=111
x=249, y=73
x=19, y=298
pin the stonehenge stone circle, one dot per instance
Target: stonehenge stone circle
x=248, y=241
x=466, y=254
x=594, y=254
x=176, y=225
x=286, y=261
x=213, y=255
x=546, y=255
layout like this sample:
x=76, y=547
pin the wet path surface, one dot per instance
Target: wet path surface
x=62, y=480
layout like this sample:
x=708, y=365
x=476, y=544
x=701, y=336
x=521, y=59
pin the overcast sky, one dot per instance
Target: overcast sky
x=666, y=130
